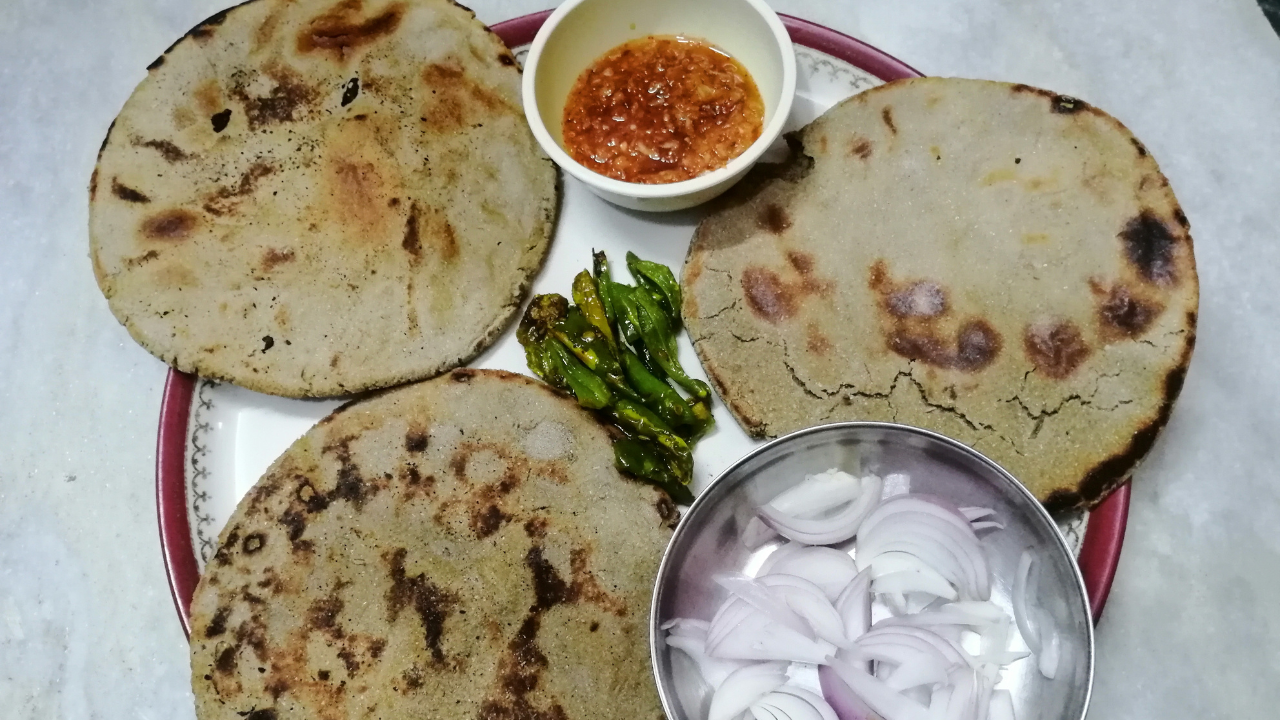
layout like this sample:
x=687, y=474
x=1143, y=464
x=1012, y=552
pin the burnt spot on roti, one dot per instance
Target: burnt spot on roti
x=432, y=603
x=350, y=91
x=415, y=441
x=1056, y=348
x=506, y=58
x=462, y=375
x=815, y=342
x=220, y=120
x=1123, y=313
x=287, y=101
x=273, y=258
x=227, y=198
x=322, y=615
x=861, y=147
x=923, y=299
x=1142, y=151
x=225, y=663
x=769, y=297
x=1102, y=478
x=413, y=678
x=1149, y=246
x=342, y=29
x=977, y=345
x=412, y=243
x=800, y=262
x=487, y=520
x=912, y=322
x=1181, y=218
x=886, y=115
x=312, y=501
x=774, y=219
x=261, y=714
x=218, y=624
x=549, y=589
x=253, y=543
x=594, y=626
x=126, y=193
x=536, y=527
x=1058, y=104
x=171, y=225
x=169, y=151
x=268, y=342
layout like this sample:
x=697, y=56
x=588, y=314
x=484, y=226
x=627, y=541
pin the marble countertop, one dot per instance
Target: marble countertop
x=87, y=627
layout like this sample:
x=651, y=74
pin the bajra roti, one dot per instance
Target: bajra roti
x=461, y=548
x=994, y=262
x=321, y=197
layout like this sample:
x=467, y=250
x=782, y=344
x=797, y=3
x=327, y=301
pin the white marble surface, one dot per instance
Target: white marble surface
x=87, y=628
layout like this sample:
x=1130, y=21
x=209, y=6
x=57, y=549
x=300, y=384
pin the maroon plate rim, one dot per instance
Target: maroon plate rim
x=1103, y=539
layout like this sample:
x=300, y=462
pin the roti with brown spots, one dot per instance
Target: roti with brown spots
x=321, y=197
x=460, y=548
x=994, y=262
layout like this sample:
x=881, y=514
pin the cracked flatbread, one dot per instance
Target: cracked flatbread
x=322, y=197
x=461, y=548
x=994, y=262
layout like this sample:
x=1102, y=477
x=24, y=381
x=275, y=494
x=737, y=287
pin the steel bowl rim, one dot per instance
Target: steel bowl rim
x=702, y=500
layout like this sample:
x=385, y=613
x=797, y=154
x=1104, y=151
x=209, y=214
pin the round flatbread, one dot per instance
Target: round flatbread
x=461, y=548
x=321, y=197
x=994, y=262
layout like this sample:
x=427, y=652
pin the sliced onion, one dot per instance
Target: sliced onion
x=808, y=601
x=1049, y=658
x=687, y=626
x=938, y=703
x=1001, y=707
x=713, y=670
x=917, y=503
x=825, y=567
x=895, y=484
x=756, y=533
x=727, y=620
x=843, y=701
x=872, y=692
x=745, y=686
x=920, y=670
x=960, y=705
x=692, y=691
x=827, y=530
x=763, y=712
x=909, y=581
x=818, y=494
x=1019, y=598
x=974, y=513
x=854, y=606
x=914, y=635
x=789, y=703
x=779, y=554
x=773, y=606
x=757, y=637
x=949, y=551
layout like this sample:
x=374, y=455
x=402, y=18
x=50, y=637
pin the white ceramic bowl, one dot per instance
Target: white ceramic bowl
x=580, y=31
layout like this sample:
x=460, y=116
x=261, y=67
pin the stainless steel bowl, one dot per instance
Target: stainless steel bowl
x=707, y=542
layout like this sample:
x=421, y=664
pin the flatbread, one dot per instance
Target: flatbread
x=321, y=197
x=456, y=549
x=994, y=262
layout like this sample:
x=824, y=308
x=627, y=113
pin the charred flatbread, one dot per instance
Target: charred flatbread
x=321, y=197
x=995, y=262
x=458, y=548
